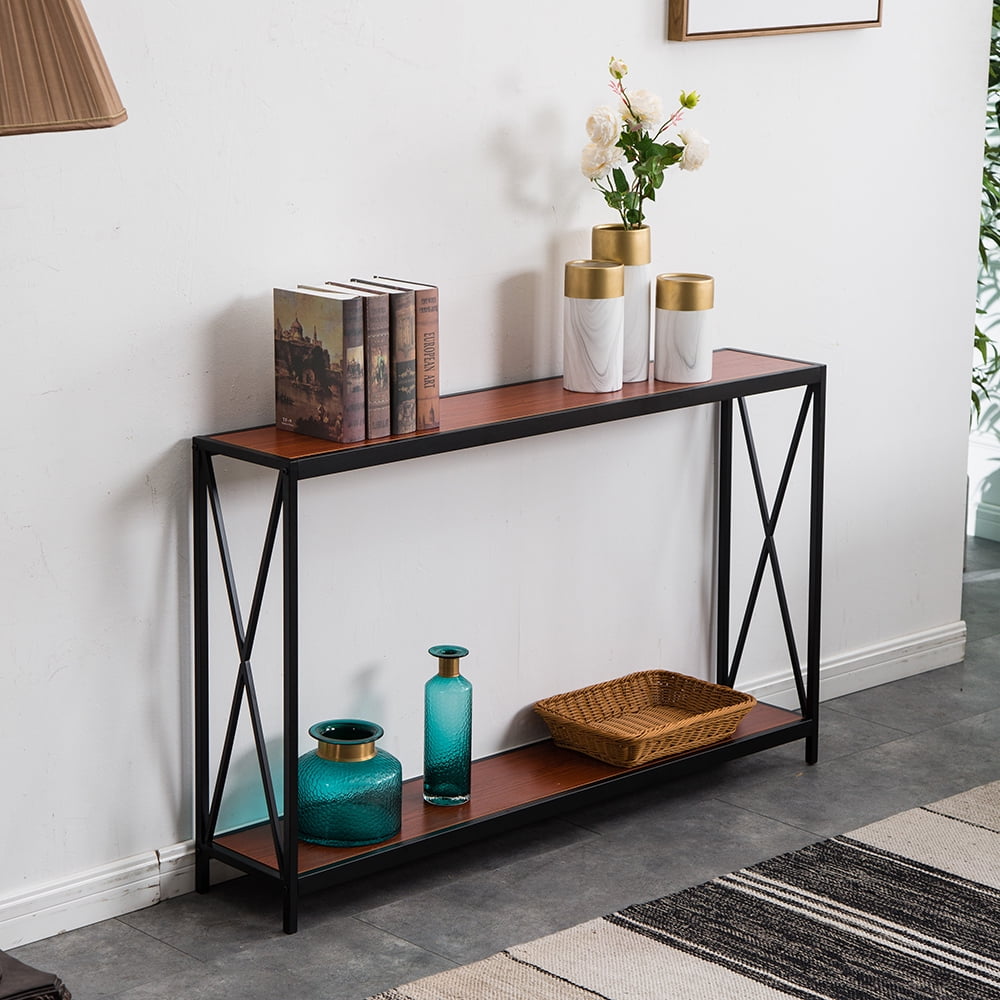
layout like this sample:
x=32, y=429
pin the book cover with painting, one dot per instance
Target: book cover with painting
x=319, y=364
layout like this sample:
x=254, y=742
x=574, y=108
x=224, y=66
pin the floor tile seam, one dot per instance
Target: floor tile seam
x=980, y=713
x=772, y=819
x=587, y=829
x=980, y=638
x=455, y=962
x=607, y=837
x=539, y=853
x=906, y=736
x=154, y=978
x=840, y=710
x=904, y=733
x=873, y=719
x=862, y=751
x=180, y=951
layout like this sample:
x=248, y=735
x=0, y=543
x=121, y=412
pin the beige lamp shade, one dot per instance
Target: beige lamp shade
x=53, y=77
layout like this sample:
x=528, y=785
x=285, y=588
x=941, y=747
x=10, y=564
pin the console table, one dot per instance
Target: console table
x=540, y=779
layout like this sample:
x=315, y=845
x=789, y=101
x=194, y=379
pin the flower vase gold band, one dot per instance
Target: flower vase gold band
x=685, y=292
x=352, y=752
x=594, y=279
x=626, y=246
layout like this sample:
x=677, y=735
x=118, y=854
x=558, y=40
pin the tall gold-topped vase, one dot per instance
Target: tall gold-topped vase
x=632, y=249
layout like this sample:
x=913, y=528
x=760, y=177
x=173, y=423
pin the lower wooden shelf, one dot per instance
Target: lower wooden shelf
x=505, y=787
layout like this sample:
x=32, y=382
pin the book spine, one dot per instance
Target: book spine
x=403, y=363
x=353, y=372
x=284, y=418
x=427, y=331
x=378, y=423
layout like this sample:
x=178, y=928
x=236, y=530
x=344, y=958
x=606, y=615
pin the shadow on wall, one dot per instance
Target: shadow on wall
x=243, y=802
x=238, y=374
x=526, y=726
x=529, y=314
x=236, y=379
x=541, y=187
x=157, y=505
x=988, y=424
x=516, y=311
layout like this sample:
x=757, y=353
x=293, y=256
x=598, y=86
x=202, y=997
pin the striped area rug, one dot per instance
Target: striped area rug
x=904, y=909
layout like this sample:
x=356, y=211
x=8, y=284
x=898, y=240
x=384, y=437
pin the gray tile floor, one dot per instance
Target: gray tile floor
x=882, y=751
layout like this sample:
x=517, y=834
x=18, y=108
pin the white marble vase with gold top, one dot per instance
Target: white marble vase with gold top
x=593, y=326
x=683, y=351
x=632, y=249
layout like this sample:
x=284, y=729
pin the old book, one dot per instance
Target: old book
x=375, y=310
x=428, y=334
x=319, y=364
x=402, y=356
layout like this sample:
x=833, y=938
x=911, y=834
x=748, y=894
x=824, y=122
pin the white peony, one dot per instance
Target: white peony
x=646, y=112
x=695, y=149
x=604, y=126
x=598, y=161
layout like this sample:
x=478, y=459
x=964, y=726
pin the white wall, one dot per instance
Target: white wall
x=276, y=142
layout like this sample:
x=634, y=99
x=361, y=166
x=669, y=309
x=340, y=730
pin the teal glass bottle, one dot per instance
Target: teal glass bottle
x=447, y=730
x=350, y=793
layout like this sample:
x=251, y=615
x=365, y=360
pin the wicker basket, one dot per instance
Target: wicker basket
x=644, y=716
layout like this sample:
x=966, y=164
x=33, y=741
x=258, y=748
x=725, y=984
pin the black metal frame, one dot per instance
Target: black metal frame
x=728, y=660
x=284, y=513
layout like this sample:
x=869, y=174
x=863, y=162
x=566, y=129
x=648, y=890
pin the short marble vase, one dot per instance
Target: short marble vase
x=632, y=249
x=683, y=342
x=593, y=326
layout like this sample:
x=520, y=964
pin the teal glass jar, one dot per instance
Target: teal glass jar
x=447, y=730
x=350, y=793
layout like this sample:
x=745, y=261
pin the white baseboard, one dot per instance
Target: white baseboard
x=177, y=870
x=135, y=883
x=108, y=891
x=986, y=523
x=877, y=664
x=100, y=894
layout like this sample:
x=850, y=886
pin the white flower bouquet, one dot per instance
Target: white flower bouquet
x=631, y=135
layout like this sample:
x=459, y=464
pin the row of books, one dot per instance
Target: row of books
x=356, y=360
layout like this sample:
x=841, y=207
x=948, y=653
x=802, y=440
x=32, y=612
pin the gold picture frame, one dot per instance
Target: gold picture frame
x=693, y=20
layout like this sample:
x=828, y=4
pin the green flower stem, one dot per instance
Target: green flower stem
x=648, y=175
